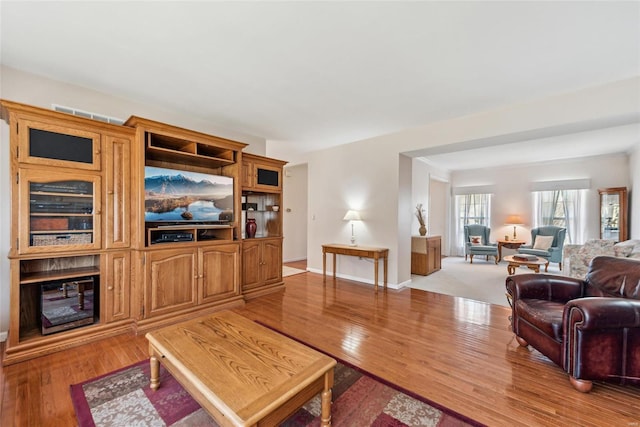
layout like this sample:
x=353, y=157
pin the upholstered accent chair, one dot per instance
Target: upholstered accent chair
x=589, y=327
x=548, y=246
x=476, y=239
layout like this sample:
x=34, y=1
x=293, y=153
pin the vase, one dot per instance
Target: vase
x=250, y=228
x=422, y=230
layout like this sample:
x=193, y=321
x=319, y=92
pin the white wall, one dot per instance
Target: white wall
x=295, y=213
x=361, y=176
x=634, y=205
x=439, y=212
x=513, y=195
x=431, y=188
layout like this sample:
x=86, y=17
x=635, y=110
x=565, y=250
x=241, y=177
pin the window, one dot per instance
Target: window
x=563, y=208
x=471, y=209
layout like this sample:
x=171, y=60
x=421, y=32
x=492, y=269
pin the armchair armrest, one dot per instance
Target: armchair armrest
x=602, y=313
x=547, y=287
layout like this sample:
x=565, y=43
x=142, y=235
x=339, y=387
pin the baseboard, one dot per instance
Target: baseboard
x=294, y=260
x=3, y=336
x=358, y=279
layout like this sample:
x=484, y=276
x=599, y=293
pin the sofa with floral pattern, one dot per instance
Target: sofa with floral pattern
x=578, y=257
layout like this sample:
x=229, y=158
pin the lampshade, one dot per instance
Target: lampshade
x=514, y=220
x=352, y=215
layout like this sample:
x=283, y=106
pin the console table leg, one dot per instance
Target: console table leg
x=334, y=267
x=375, y=273
x=386, y=267
x=324, y=266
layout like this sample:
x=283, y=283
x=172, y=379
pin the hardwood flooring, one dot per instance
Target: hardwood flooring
x=455, y=352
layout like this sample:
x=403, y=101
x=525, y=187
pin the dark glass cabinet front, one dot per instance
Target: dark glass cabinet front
x=613, y=214
x=62, y=211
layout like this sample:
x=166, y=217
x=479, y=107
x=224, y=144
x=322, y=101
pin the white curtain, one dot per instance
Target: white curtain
x=470, y=209
x=563, y=208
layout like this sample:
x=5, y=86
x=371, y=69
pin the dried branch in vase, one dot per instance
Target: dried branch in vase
x=420, y=215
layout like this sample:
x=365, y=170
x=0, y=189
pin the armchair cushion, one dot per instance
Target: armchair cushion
x=543, y=242
x=475, y=240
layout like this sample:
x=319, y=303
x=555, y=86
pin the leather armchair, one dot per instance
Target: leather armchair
x=590, y=328
x=483, y=247
x=554, y=253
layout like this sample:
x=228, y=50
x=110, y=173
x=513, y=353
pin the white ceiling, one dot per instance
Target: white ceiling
x=317, y=74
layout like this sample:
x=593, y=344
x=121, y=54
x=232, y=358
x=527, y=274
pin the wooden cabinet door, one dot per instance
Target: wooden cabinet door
x=171, y=281
x=116, y=282
x=49, y=143
x=271, y=261
x=251, y=263
x=219, y=272
x=247, y=174
x=117, y=188
x=267, y=177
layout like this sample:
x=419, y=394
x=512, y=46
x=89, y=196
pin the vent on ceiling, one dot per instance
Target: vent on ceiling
x=87, y=114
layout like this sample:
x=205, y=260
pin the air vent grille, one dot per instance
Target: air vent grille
x=87, y=114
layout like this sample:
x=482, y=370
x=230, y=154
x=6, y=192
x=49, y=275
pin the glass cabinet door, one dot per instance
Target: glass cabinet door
x=50, y=144
x=60, y=211
x=613, y=214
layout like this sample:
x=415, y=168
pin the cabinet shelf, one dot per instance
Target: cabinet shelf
x=162, y=148
x=69, y=273
x=60, y=214
x=51, y=194
x=66, y=231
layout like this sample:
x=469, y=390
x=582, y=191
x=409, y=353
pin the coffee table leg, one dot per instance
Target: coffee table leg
x=155, y=372
x=325, y=416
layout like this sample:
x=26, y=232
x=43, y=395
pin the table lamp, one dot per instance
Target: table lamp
x=514, y=220
x=352, y=215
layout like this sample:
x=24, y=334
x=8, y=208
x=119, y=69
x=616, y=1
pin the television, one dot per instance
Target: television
x=174, y=196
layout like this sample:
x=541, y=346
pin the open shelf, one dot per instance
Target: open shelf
x=40, y=277
x=161, y=235
x=69, y=273
x=260, y=206
x=162, y=148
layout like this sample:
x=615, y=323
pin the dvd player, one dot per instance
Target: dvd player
x=174, y=237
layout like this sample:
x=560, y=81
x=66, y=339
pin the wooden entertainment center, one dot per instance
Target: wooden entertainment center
x=78, y=216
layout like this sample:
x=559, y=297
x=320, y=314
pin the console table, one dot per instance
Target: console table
x=360, y=251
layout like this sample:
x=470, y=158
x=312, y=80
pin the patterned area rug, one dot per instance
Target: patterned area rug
x=123, y=398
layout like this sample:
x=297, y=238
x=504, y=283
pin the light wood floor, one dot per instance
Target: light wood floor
x=452, y=351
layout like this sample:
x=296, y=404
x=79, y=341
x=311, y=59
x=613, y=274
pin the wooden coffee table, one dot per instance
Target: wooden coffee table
x=533, y=264
x=241, y=373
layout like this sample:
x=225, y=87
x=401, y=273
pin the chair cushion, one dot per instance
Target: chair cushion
x=543, y=242
x=626, y=248
x=475, y=240
x=536, y=252
x=484, y=249
x=544, y=315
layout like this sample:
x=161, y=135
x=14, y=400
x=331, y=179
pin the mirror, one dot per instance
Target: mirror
x=613, y=213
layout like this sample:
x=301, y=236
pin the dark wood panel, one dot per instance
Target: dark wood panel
x=455, y=352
